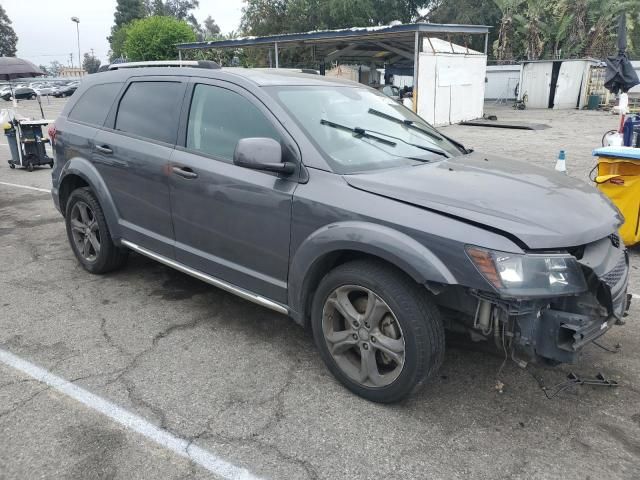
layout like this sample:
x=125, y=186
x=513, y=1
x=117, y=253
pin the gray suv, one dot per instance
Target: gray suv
x=329, y=202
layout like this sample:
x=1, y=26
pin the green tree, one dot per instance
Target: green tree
x=154, y=38
x=503, y=47
x=91, y=63
x=117, y=43
x=8, y=37
x=127, y=11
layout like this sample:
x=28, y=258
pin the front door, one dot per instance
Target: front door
x=133, y=158
x=231, y=222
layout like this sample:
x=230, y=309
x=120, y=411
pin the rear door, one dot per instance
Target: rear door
x=231, y=222
x=133, y=156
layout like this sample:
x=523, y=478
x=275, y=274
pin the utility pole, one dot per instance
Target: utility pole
x=71, y=60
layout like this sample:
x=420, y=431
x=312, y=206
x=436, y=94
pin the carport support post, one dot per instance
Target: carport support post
x=277, y=62
x=486, y=43
x=180, y=56
x=416, y=61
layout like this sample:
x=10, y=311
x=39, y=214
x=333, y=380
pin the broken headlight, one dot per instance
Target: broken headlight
x=529, y=275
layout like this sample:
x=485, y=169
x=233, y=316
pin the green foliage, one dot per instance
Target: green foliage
x=127, y=11
x=154, y=38
x=8, y=37
x=117, y=40
x=91, y=64
x=266, y=17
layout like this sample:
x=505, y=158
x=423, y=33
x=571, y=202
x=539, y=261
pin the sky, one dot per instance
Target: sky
x=46, y=33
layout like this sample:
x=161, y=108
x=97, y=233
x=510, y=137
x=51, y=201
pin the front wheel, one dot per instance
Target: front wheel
x=376, y=329
x=89, y=235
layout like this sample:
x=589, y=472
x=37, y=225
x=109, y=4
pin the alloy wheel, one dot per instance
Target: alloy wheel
x=363, y=336
x=85, y=231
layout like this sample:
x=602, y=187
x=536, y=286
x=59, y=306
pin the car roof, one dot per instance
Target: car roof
x=257, y=76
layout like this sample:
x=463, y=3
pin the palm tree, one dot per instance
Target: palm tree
x=503, y=46
x=531, y=26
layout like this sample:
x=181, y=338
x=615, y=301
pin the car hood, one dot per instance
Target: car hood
x=542, y=208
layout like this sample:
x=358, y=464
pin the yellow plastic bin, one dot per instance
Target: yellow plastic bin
x=618, y=177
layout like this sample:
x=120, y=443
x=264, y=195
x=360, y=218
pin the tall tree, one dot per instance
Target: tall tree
x=532, y=28
x=210, y=28
x=8, y=37
x=91, y=63
x=127, y=11
x=504, y=45
x=154, y=38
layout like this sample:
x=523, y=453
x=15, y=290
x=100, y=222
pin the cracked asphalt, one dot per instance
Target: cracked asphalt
x=247, y=384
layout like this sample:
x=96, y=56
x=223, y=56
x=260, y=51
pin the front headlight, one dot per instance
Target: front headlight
x=529, y=275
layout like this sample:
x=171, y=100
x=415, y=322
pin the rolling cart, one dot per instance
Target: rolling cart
x=27, y=144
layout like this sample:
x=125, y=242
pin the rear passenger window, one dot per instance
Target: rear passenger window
x=94, y=105
x=218, y=118
x=151, y=110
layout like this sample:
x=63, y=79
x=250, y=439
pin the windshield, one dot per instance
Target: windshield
x=360, y=129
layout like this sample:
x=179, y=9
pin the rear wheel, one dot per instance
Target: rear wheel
x=89, y=235
x=377, y=331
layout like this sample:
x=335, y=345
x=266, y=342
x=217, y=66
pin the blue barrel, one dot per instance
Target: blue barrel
x=13, y=145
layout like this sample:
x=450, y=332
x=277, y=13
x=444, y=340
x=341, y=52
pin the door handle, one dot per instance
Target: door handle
x=104, y=149
x=184, y=172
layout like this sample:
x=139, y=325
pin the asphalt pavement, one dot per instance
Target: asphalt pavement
x=148, y=373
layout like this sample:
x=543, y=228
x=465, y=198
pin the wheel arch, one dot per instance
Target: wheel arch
x=78, y=173
x=335, y=244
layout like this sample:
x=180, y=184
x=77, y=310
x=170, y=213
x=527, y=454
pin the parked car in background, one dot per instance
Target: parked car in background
x=391, y=91
x=66, y=90
x=44, y=90
x=20, y=93
x=327, y=201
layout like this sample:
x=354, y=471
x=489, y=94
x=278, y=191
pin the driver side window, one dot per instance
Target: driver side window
x=218, y=118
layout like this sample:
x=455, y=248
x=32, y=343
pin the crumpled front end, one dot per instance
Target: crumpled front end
x=556, y=329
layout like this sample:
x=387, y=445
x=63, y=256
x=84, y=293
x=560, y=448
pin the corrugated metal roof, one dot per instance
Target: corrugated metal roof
x=355, y=33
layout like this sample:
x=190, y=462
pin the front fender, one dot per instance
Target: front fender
x=391, y=245
x=89, y=173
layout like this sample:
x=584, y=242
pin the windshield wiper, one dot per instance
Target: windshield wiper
x=407, y=123
x=360, y=132
x=411, y=124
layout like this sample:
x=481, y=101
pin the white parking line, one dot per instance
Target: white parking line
x=179, y=446
x=25, y=186
x=635, y=295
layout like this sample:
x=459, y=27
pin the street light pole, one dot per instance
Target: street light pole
x=76, y=20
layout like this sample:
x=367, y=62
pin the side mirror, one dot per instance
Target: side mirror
x=260, y=153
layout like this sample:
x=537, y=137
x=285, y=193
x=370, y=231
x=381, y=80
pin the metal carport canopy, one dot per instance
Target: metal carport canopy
x=386, y=43
x=371, y=39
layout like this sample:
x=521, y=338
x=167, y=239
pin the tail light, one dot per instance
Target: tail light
x=52, y=133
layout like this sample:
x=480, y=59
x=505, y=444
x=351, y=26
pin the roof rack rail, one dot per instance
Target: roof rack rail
x=166, y=63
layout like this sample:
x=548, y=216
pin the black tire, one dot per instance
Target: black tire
x=50, y=164
x=30, y=167
x=419, y=320
x=12, y=166
x=110, y=257
x=33, y=96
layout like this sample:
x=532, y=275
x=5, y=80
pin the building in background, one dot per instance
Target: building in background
x=72, y=72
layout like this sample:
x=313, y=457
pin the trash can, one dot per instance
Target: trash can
x=594, y=102
x=618, y=177
x=10, y=133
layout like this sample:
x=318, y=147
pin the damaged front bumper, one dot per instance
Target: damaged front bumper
x=556, y=329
